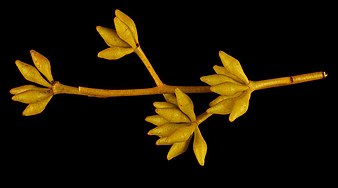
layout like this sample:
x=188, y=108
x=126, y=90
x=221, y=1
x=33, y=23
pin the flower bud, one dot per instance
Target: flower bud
x=24, y=88
x=126, y=29
x=177, y=149
x=36, y=108
x=42, y=64
x=31, y=74
x=199, y=147
x=185, y=104
x=223, y=71
x=223, y=97
x=32, y=96
x=170, y=98
x=156, y=120
x=228, y=88
x=181, y=134
x=224, y=107
x=216, y=79
x=111, y=38
x=114, y=52
x=164, y=105
x=166, y=129
x=129, y=22
x=173, y=115
x=240, y=106
x=233, y=66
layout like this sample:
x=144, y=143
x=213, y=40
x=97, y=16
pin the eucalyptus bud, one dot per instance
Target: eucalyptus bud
x=171, y=98
x=32, y=96
x=182, y=133
x=129, y=23
x=126, y=29
x=114, y=52
x=240, y=106
x=185, y=104
x=167, y=129
x=216, y=79
x=31, y=74
x=23, y=88
x=164, y=105
x=111, y=38
x=156, y=120
x=199, y=147
x=228, y=88
x=233, y=66
x=42, y=64
x=172, y=114
x=177, y=149
x=37, y=107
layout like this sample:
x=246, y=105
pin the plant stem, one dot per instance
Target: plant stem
x=59, y=88
x=148, y=65
x=164, y=89
x=289, y=80
x=203, y=117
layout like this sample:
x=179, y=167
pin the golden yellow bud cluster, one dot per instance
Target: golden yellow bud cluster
x=122, y=40
x=176, y=124
x=231, y=83
x=36, y=97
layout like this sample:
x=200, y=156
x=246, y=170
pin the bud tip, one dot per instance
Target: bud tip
x=98, y=28
x=325, y=74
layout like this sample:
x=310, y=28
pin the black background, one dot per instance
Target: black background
x=287, y=135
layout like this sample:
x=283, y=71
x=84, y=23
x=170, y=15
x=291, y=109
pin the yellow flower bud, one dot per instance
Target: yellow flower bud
x=166, y=129
x=170, y=98
x=223, y=97
x=125, y=33
x=111, y=38
x=36, y=108
x=173, y=115
x=223, y=71
x=216, y=79
x=233, y=66
x=220, y=70
x=32, y=96
x=114, y=52
x=31, y=74
x=199, y=147
x=156, y=120
x=181, y=134
x=177, y=149
x=42, y=64
x=241, y=105
x=24, y=88
x=129, y=22
x=164, y=105
x=185, y=104
x=224, y=107
x=228, y=88
x=219, y=99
